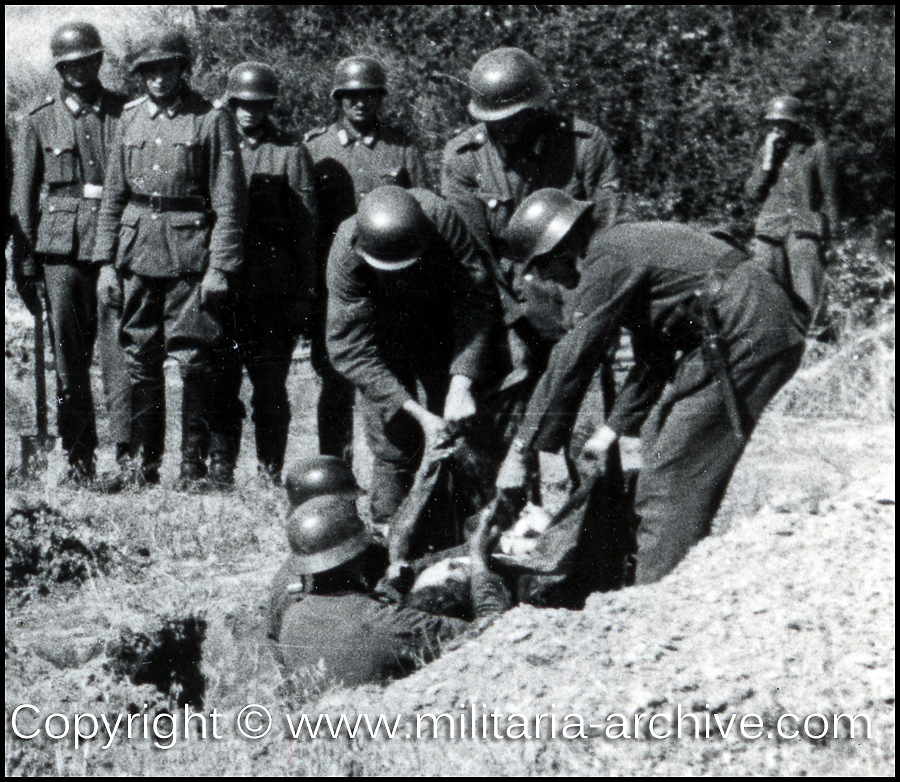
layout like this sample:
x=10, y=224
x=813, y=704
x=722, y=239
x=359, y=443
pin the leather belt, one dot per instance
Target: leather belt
x=91, y=192
x=161, y=203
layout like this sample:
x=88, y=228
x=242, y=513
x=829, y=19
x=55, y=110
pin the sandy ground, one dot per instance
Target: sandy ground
x=136, y=603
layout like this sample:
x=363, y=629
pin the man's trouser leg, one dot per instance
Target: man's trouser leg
x=334, y=411
x=226, y=412
x=689, y=452
x=72, y=313
x=192, y=332
x=114, y=371
x=267, y=348
x=397, y=448
x=807, y=269
x=143, y=340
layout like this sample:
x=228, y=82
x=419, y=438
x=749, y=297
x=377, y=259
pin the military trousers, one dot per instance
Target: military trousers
x=689, y=446
x=259, y=336
x=798, y=261
x=163, y=316
x=78, y=325
x=337, y=396
x=398, y=445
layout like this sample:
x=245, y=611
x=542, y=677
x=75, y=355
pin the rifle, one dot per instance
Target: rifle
x=35, y=446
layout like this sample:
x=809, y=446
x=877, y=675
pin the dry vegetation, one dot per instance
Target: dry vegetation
x=142, y=602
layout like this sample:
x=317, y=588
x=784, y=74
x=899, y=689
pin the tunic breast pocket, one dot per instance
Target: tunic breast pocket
x=60, y=164
x=188, y=159
x=134, y=157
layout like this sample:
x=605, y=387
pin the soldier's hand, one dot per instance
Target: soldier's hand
x=513, y=473
x=109, y=287
x=772, y=147
x=213, y=287
x=460, y=404
x=30, y=290
x=437, y=432
x=599, y=443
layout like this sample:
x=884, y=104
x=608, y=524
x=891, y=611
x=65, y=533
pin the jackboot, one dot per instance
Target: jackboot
x=195, y=433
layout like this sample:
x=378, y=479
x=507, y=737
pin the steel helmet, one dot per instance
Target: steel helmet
x=784, y=108
x=317, y=476
x=358, y=73
x=391, y=228
x=160, y=47
x=540, y=223
x=325, y=532
x=505, y=82
x=252, y=81
x=75, y=41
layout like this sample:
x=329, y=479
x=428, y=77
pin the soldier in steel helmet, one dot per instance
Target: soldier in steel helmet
x=519, y=145
x=327, y=616
x=794, y=182
x=60, y=168
x=172, y=222
x=317, y=476
x=353, y=156
x=274, y=296
x=410, y=305
x=715, y=336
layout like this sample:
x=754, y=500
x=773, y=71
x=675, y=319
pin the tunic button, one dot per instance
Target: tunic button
x=93, y=208
x=156, y=166
x=158, y=141
x=52, y=209
x=199, y=223
x=154, y=217
x=57, y=151
x=528, y=277
x=492, y=203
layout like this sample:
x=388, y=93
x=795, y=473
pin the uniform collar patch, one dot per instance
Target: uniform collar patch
x=154, y=109
x=347, y=137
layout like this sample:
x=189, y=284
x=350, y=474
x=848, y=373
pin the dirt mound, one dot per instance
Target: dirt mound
x=45, y=549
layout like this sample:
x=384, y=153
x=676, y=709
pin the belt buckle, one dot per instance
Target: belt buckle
x=92, y=192
x=155, y=201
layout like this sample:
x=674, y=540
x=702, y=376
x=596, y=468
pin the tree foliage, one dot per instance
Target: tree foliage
x=679, y=89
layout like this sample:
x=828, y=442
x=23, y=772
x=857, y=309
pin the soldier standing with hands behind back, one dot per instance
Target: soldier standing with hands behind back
x=172, y=218
x=276, y=291
x=61, y=150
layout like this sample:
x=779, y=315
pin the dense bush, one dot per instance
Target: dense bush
x=679, y=89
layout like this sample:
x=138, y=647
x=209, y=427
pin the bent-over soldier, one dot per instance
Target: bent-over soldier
x=353, y=156
x=171, y=219
x=277, y=289
x=61, y=151
x=714, y=339
x=409, y=304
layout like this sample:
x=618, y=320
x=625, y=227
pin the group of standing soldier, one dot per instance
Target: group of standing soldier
x=173, y=225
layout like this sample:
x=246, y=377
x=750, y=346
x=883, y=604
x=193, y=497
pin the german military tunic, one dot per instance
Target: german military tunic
x=186, y=151
x=352, y=638
x=348, y=167
x=280, y=235
x=797, y=194
x=433, y=317
x=61, y=151
x=486, y=182
x=641, y=276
